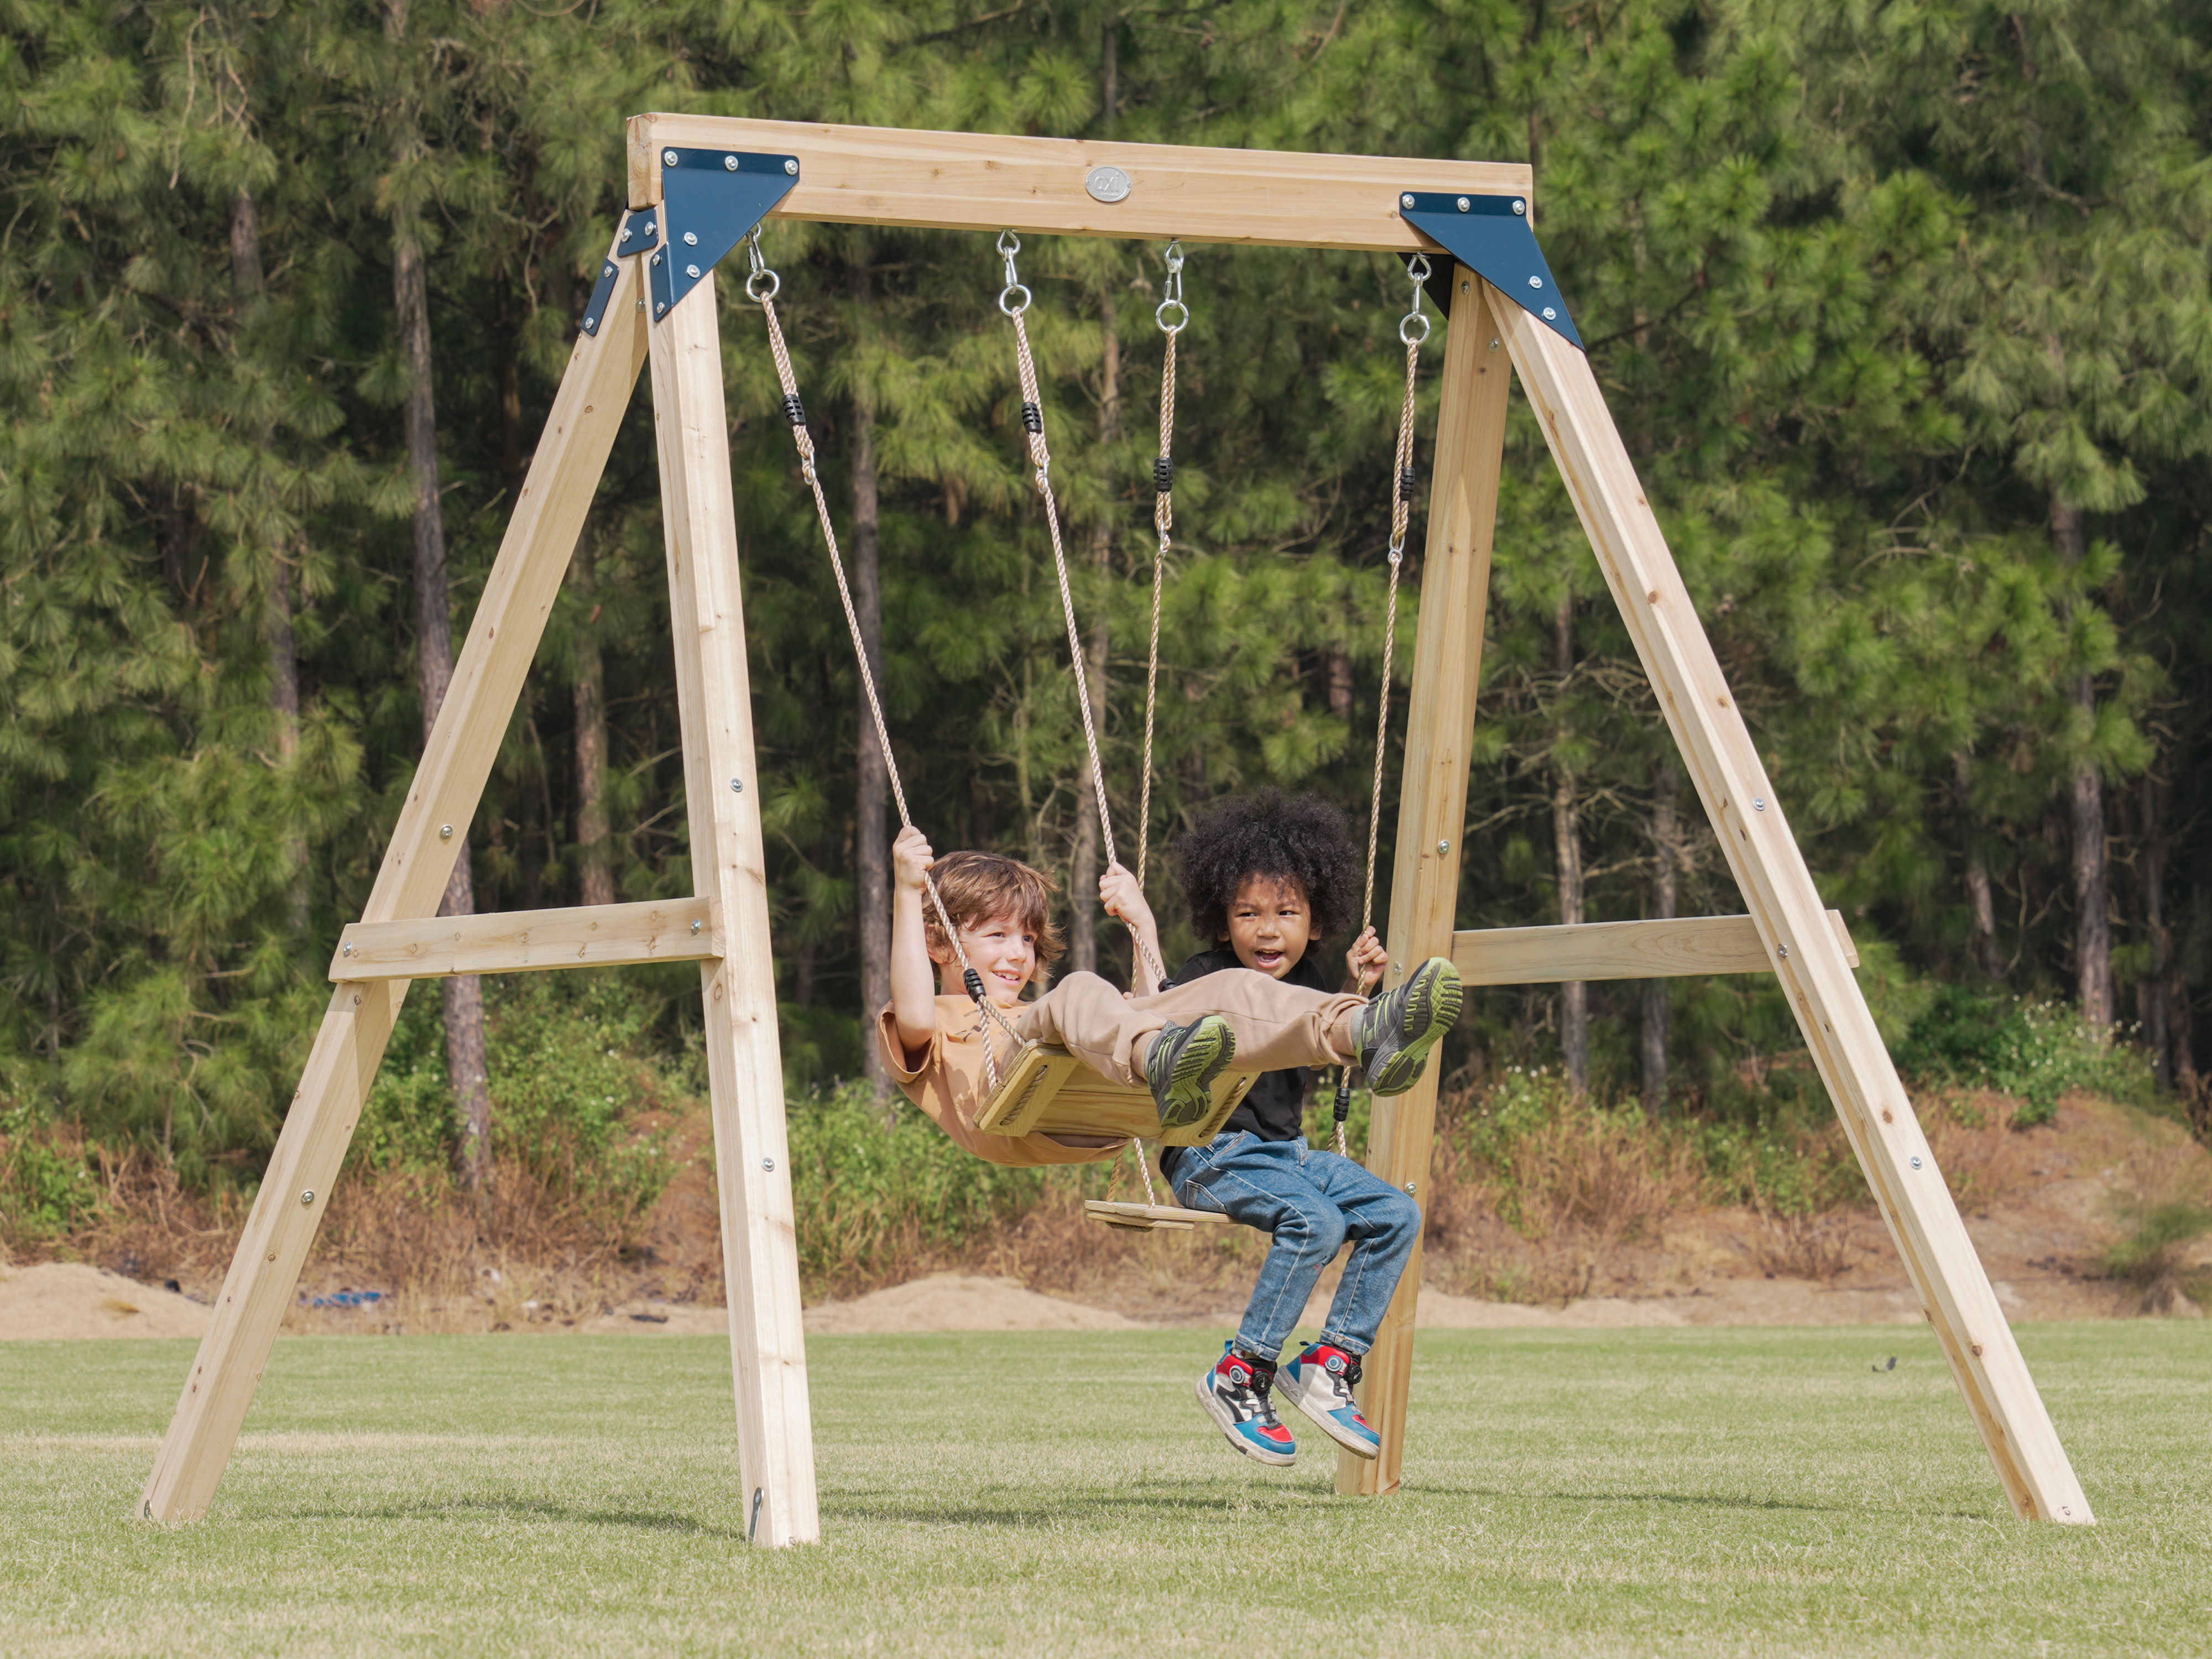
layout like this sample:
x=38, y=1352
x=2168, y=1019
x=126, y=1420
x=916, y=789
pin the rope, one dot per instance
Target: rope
x=1041, y=459
x=1163, y=522
x=760, y=287
x=1401, y=513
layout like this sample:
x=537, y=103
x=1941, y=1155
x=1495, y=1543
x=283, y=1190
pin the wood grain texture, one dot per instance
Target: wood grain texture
x=745, y=1064
x=989, y=181
x=1147, y=1217
x=528, y=941
x=1770, y=872
x=1669, y=949
x=1432, y=802
x=1045, y=1089
x=556, y=494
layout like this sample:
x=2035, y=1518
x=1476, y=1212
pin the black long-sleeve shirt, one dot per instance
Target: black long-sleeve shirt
x=1275, y=1109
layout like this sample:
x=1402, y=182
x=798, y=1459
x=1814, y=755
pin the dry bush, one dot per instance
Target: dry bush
x=1815, y=1246
x=1971, y=1131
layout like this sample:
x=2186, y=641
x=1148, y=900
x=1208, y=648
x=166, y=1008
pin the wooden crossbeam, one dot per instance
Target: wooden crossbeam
x=1620, y=950
x=988, y=181
x=527, y=941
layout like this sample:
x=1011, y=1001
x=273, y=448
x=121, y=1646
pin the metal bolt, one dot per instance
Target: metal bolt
x=1493, y=345
x=737, y=785
x=591, y=322
x=648, y=228
x=1550, y=315
x=1443, y=846
x=668, y=158
x=658, y=307
x=1405, y=201
x=691, y=239
x=308, y=1196
x=730, y=163
x=697, y=925
x=1409, y=1188
x=1519, y=206
x=1916, y=1162
x=444, y=832
x=1462, y=204
x=1536, y=281
x=1759, y=803
x=692, y=271
x=626, y=234
x=769, y=1165
x=349, y=949
x=1782, y=950
x=790, y=168
x=656, y=259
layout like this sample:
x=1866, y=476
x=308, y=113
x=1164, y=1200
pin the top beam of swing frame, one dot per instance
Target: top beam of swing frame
x=993, y=181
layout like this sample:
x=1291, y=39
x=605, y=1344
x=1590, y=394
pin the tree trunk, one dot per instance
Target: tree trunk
x=2093, y=921
x=1566, y=837
x=1082, y=866
x=245, y=280
x=1658, y=1006
x=594, y=862
x=1979, y=898
x=1340, y=684
x=466, y=1065
x=871, y=841
x=2151, y=1000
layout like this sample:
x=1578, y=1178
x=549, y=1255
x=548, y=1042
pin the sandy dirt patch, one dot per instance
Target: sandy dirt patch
x=67, y=1300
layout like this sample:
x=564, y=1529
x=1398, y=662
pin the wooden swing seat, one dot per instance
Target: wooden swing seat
x=1045, y=1089
x=1143, y=1218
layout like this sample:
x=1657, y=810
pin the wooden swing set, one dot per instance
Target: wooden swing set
x=698, y=188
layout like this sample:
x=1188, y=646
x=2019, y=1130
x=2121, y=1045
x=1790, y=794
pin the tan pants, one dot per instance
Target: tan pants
x=1277, y=1025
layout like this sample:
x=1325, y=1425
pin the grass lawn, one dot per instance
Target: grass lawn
x=1635, y=1492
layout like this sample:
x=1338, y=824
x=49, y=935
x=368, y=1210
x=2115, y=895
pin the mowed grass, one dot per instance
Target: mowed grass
x=1633, y=1492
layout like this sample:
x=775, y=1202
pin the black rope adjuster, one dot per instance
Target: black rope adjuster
x=1032, y=418
x=793, y=410
x=974, y=982
x=1163, y=476
x=1406, y=485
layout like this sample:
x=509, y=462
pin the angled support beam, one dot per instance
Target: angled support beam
x=744, y=1066
x=527, y=941
x=1747, y=817
x=1433, y=800
x=503, y=637
x=1670, y=949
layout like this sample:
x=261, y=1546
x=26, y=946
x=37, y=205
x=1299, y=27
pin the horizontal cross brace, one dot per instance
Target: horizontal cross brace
x=1075, y=187
x=527, y=941
x=1663, y=948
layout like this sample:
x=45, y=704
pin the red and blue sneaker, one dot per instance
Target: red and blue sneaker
x=1235, y=1394
x=1319, y=1383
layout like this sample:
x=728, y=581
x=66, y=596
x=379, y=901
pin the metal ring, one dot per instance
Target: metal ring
x=752, y=291
x=1007, y=292
x=1160, y=316
x=1406, y=324
x=1397, y=550
x=1418, y=268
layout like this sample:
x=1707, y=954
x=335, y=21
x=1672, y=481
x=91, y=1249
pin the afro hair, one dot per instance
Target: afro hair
x=1305, y=841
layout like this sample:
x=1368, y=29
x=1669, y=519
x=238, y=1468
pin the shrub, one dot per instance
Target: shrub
x=2151, y=1257
x=46, y=1189
x=2034, y=1051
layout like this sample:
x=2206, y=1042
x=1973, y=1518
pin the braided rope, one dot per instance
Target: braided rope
x=805, y=442
x=1041, y=459
x=1163, y=522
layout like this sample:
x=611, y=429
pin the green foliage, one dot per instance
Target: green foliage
x=872, y=1194
x=44, y=1191
x=2033, y=1050
x=2154, y=1249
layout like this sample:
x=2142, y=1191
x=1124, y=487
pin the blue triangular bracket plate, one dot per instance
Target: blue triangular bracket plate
x=1493, y=235
x=710, y=201
x=639, y=234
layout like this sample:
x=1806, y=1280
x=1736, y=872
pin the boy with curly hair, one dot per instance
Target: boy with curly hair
x=1265, y=878
x=1173, y=1043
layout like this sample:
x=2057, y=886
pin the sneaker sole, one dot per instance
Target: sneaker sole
x=1205, y=1056
x=1298, y=1396
x=1431, y=1009
x=1281, y=1461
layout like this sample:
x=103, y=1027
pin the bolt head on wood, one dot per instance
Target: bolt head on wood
x=769, y=1165
x=668, y=158
x=308, y=1197
x=444, y=832
x=737, y=786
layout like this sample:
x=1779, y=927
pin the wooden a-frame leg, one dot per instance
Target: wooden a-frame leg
x=1432, y=802
x=1778, y=889
x=580, y=431
x=745, y=1064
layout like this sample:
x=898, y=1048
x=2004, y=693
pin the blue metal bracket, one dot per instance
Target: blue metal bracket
x=639, y=232
x=710, y=201
x=1492, y=235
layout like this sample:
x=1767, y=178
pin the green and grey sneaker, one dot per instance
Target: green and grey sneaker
x=1392, y=1036
x=1184, y=1062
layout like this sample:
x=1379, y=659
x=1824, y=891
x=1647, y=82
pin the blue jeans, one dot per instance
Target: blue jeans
x=1311, y=1202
